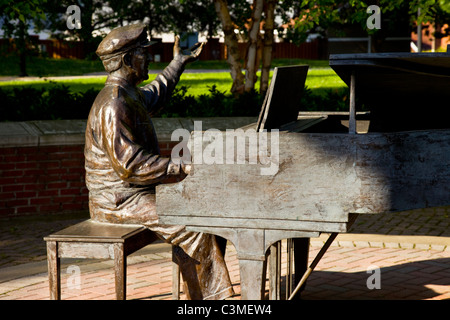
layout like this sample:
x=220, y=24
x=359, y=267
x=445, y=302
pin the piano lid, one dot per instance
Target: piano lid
x=403, y=91
x=433, y=64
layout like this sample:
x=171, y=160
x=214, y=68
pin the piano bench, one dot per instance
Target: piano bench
x=95, y=240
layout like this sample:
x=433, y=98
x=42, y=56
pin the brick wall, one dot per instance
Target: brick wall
x=42, y=179
x=46, y=179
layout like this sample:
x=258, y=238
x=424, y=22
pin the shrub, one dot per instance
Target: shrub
x=59, y=102
x=213, y=104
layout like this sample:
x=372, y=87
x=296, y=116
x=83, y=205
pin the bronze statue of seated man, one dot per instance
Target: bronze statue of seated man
x=123, y=161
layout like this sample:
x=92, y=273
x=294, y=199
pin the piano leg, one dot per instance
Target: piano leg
x=251, y=245
x=250, y=249
x=275, y=271
x=297, y=263
x=252, y=272
x=301, y=254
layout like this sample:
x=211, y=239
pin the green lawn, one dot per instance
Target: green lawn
x=318, y=80
x=46, y=67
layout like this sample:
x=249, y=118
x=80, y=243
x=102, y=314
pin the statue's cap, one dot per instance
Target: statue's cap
x=123, y=39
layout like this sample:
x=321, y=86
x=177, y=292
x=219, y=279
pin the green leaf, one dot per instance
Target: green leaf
x=445, y=5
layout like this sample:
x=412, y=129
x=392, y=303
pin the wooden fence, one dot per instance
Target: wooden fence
x=49, y=48
x=213, y=50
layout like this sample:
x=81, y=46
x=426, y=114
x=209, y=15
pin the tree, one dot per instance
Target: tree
x=231, y=41
x=253, y=35
x=17, y=17
x=269, y=26
x=241, y=18
x=98, y=17
x=90, y=12
x=193, y=16
x=248, y=19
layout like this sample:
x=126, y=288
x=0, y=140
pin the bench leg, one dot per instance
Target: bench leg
x=120, y=269
x=175, y=278
x=54, y=266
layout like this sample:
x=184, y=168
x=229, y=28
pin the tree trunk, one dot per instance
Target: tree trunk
x=250, y=76
x=231, y=42
x=269, y=10
x=22, y=48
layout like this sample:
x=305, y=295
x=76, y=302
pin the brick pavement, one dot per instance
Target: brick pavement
x=405, y=274
x=415, y=269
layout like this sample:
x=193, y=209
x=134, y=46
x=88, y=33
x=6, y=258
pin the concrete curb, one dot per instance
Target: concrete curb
x=70, y=132
x=386, y=241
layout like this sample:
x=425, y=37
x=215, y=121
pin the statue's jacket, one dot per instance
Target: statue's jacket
x=123, y=162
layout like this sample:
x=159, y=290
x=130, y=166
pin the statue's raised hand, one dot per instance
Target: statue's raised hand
x=186, y=56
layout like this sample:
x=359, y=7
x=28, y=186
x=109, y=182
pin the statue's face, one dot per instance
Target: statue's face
x=139, y=63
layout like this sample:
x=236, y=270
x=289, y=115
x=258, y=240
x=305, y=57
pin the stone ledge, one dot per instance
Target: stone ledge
x=71, y=132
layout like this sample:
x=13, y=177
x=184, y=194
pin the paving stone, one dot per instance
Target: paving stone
x=408, y=270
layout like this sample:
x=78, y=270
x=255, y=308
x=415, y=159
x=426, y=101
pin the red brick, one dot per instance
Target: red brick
x=7, y=181
x=63, y=199
x=26, y=165
x=27, y=150
x=49, y=149
x=78, y=170
x=77, y=155
x=40, y=201
x=34, y=187
x=71, y=163
x=7, y=195
x=72, y=191
x=56, y=171
x=49, y=164
x=6, y=211
x=72, y=149
x=81, y=198
x=32, y=172
x=8, y=151
x=14, y=158
x=37, y=157
x=17, y=203
x=72, y=206
x=30, y=179
x=72, y=177
x=8, y=166
x=11, y=173
x=13, y=188
x=50, y=208
x=57, y=185
x=48, y=193
x=77, y=184
x=58, y=156
x=27, y=209
x=46, y=179
x=26, y=194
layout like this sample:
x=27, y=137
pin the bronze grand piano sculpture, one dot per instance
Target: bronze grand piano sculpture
x=323, y=179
